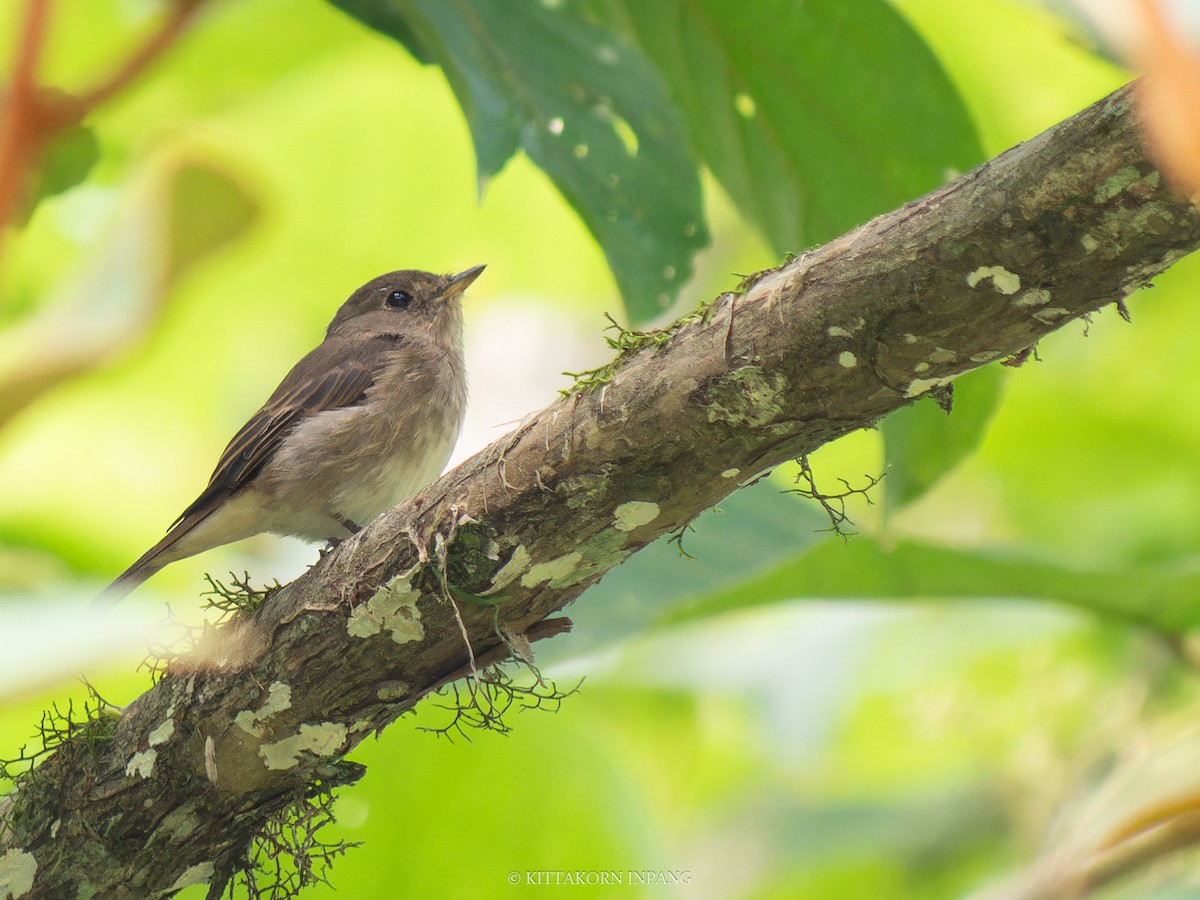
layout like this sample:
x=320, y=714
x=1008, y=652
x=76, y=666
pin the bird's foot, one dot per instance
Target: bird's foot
x=347, y=524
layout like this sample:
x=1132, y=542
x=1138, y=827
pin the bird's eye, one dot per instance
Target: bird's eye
x=399, y=299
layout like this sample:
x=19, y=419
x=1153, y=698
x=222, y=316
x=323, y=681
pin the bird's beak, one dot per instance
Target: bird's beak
x=460, y=282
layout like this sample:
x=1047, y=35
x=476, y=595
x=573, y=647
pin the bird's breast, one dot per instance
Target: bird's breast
x=354, y=463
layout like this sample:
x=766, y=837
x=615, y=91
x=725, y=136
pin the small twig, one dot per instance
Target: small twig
x=462, y=627
x=677, y=536
x=833, y=504
x=491, y=694
x=177, y=17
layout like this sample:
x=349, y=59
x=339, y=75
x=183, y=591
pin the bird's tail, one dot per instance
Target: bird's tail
x=162, y=553
x=125, y=583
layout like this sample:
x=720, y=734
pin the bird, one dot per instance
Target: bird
x=363, y=421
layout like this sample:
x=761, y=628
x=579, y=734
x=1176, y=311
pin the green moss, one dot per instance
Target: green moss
x=629, y=343
x=239, y=596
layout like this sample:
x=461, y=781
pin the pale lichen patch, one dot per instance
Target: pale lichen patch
x=392, y=608
x=200, y=873
x=507, y=573
x=210, y=758
x=985, y=356
x=730, y=473
x=599, y=553
x=1051, y=315
x=919, y=386
x=1004, y=281
x=1033, y=297
x=323, y=739
x=161, y=734
x=18, y=871
x=942, y=355
x=634, y=514
x=141, y=764
x=1090, y=243
x=179, y=823
x=838, y=331
x=253, y=721
x=748, y=397
x=556, y=572
x=1122, y=180
x=910, y=338
x=393, y=690
x=847, y=360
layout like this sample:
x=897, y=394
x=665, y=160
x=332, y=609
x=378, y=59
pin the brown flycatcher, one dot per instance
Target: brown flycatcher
x=365, y=420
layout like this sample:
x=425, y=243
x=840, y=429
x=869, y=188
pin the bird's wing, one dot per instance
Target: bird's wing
x=333, y=375
x=327, y=378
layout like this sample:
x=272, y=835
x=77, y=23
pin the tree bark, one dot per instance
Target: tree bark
x=172, y=790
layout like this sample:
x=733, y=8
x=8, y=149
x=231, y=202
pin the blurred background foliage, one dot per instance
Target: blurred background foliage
x=997, y=671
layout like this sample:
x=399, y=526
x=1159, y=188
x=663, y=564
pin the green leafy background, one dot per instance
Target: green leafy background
x=920, y=712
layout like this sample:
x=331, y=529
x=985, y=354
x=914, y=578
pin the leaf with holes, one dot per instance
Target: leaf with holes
x=1165, y=596
x=586, y=107
x=814, y=116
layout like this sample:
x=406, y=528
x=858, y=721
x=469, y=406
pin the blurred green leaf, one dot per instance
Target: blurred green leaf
x=586, y=107
x=392, y=19
x=917, y=831
x=207, y=208
x=921, y=443
x=1165, y=597
x=66, y=160
x=814, y=116
x=751, y=531
x=109, y=304
x=69, y=158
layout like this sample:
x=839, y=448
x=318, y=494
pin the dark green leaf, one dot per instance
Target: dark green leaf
x=586, y=107
x=814, y=116
x=752, y=530
x=390, y=19
x=69, y=158
x=207, y=208
x=921, y=443
x=109, y=305
x=1166, y=597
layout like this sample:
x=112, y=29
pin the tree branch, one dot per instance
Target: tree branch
x=173, y=790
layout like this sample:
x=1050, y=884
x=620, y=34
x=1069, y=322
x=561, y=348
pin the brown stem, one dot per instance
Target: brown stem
x=20, y=116
x=141, y=58
x=31, y=118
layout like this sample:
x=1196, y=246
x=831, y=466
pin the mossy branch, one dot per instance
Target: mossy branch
x=271, y=702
